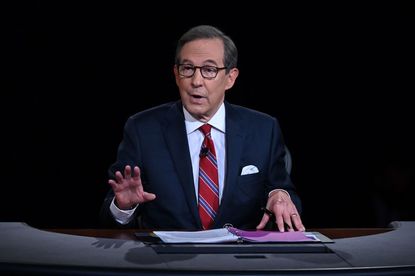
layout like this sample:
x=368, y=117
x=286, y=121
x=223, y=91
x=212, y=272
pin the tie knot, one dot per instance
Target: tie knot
x=206, y=129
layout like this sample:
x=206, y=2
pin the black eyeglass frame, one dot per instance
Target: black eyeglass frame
x=194, y=67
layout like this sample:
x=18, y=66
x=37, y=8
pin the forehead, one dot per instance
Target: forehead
x=202, y=51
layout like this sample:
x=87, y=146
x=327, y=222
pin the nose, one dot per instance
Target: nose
x=197, y=78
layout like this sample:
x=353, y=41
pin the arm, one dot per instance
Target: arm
x=283, y=201
x=127, y=190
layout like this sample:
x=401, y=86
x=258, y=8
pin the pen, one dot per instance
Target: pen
x=271, y=215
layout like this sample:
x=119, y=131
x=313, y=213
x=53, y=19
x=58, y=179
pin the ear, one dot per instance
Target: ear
x=232, y=75
x=176, y=74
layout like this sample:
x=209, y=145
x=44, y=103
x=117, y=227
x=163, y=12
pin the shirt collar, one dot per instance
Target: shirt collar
x=217, y=121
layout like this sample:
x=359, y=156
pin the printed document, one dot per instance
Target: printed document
x=232, y=234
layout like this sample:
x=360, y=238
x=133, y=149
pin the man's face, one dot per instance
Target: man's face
x=201, y=96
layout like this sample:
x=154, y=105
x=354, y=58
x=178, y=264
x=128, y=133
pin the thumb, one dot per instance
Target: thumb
x=148, y=196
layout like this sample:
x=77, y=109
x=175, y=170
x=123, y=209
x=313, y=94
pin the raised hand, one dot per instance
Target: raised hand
x=128, y=189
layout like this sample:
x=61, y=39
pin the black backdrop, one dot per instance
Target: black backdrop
x=337, y=76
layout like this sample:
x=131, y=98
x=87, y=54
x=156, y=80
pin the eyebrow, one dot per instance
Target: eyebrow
x=208, y=62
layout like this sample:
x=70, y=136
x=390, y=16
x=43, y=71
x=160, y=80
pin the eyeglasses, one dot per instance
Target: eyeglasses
x=207, y=71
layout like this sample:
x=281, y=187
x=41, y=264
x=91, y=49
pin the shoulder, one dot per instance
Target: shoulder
x=157, y=110
x=156, y=114
x=248, y=115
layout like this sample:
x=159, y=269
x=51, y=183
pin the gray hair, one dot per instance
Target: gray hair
x=230, y=58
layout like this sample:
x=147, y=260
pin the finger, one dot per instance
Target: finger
x=119, y=177
x=295, y=217
x=287, y=222
x=127, y=172
x=263, y=222
x=280, y=222
x=136, y=176
x=113, y=184
x=278, y=209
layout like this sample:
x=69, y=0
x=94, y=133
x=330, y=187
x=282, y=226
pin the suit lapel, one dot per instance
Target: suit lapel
x=234, y=145
x=176, y=139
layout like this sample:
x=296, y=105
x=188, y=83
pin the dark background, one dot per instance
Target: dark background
x=339, y=78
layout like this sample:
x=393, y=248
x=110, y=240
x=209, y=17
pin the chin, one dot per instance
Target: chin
x=197, y=111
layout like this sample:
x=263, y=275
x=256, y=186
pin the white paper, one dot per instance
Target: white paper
x=207, y=236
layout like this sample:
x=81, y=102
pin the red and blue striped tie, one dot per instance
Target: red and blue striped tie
x=208, y=180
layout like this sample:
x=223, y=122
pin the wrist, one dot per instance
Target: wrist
x=124, y=208
x=278, y=190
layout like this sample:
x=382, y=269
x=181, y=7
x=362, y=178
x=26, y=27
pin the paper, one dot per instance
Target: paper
x=207, y=236
x=232, y=234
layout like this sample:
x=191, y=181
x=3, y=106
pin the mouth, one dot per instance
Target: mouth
x=197, y=99
x=196, y=96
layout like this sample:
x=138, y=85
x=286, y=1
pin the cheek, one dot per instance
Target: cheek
x=182, y=86
x=183, y=95
x=217, y=90
x=216, y=97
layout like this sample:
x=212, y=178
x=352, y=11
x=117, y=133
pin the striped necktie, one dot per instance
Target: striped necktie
x=208, y=180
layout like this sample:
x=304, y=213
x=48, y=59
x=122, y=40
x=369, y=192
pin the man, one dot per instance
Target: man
x=160, y=176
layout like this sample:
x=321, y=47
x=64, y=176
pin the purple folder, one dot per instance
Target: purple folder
x=271, y=236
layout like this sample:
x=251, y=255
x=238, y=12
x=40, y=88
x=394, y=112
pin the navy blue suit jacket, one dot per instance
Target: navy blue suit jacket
x=156, y=141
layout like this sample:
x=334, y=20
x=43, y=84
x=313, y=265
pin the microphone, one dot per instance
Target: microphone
x=203, y=152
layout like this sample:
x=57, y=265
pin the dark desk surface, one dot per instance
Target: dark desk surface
x=129, y=234
x=30, y=251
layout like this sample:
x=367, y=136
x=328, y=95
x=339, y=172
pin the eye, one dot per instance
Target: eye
x=187, y=67
x=209, y=69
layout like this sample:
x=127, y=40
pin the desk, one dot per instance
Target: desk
x=129, y=234
x=30, y=251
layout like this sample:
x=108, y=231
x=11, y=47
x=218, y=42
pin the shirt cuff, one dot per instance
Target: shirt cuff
x=121, y=216
x=276, y=190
